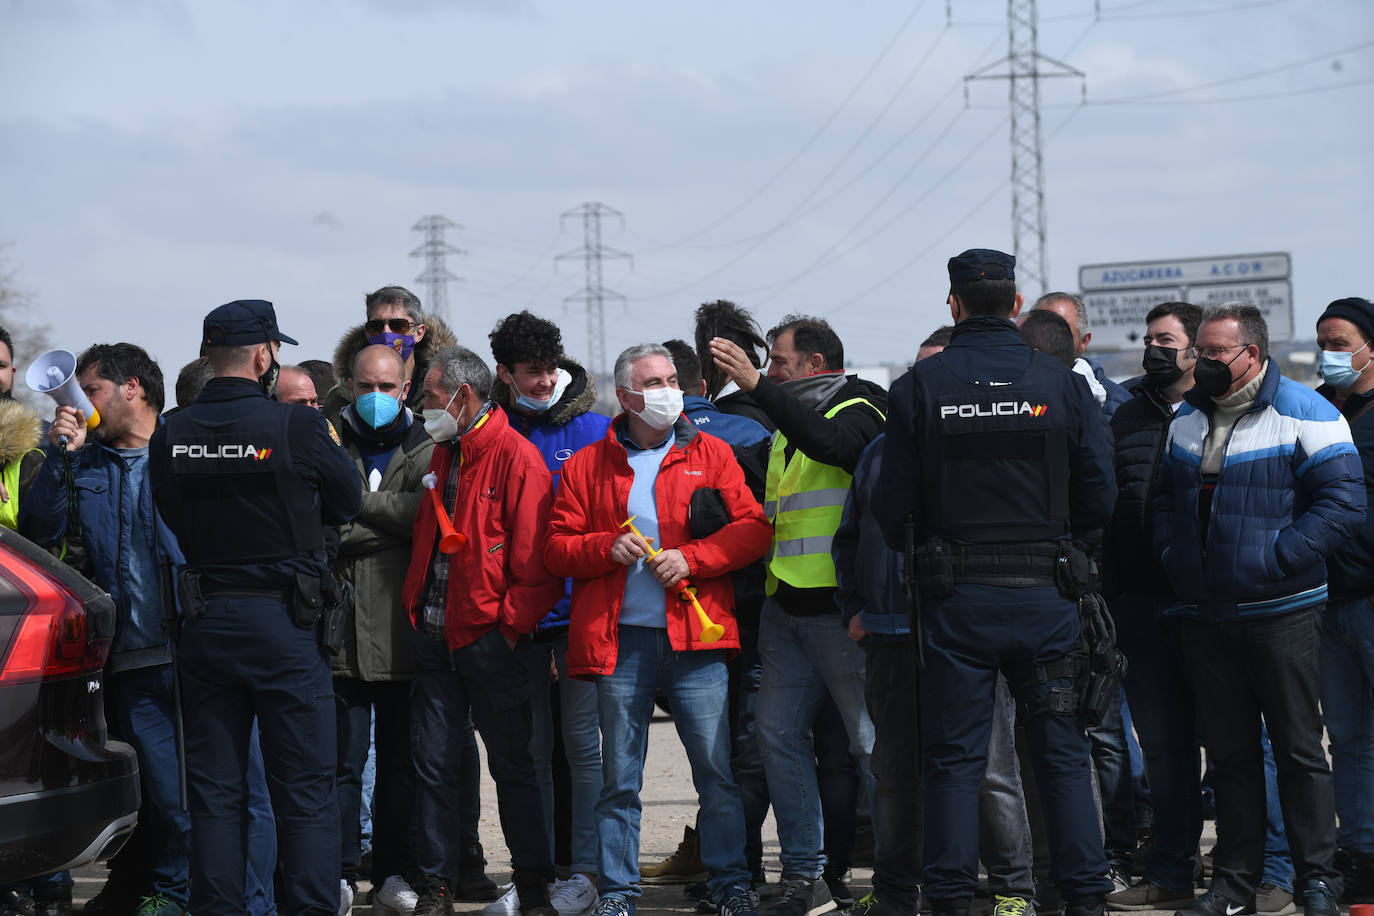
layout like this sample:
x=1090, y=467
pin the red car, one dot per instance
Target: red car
x=68, y=794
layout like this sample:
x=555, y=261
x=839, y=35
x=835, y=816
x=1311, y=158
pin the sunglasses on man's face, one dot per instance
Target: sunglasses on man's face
x=397, y=325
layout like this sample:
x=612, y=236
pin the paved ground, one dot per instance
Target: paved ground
x=669, y=804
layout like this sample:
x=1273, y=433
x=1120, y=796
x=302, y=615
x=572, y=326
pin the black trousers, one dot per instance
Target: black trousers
x=1242, y=670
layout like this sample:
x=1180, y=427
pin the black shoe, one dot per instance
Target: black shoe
x=434, y=898
x=839, y=892
x=533, y=894
x=473, y=885
x=115, y=899
x=1215, y=904
x=1048, y=901
x=798, y=896
x=12, y=904
x=1318, y=900
x=1085, y=906
x=1357, y=874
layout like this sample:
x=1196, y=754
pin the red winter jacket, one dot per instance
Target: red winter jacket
x=498, y=578
x=587, y=513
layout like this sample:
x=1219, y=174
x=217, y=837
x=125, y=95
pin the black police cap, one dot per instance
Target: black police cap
x=241, y=323
x=981, y=264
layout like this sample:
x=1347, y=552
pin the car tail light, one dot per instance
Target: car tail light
x=53, y=639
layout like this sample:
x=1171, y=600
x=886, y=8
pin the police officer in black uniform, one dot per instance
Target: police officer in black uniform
x=247, y=484
x=997, y=468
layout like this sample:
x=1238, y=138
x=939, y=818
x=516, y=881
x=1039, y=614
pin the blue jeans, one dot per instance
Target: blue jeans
x=1163, y=712
x=1348, y=701
x=246, y=656
x=1004, y=830
x=1278, y=861
x=581, y=745
x=1243, y=670
x=804, y=658
x=148, y=720
x=697, y=686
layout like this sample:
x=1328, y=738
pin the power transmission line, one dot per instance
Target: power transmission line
x=1025, y=68
x=435, y=250
x=593, y=293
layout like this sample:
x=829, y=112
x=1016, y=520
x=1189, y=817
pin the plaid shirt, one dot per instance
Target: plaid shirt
x=437, y=586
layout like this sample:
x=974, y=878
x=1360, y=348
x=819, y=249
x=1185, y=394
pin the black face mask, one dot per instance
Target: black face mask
x=1212, y=377
x=1161, y=365
x=268, y=380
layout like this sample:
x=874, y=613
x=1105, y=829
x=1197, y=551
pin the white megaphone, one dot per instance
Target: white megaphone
x=54, y=374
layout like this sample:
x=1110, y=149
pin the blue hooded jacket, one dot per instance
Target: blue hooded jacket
x=558, y=432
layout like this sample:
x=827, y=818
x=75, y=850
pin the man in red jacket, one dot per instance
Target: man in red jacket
x=472, y=610
x=630, y=627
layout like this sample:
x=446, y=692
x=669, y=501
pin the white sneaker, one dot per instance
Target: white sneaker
x=507, y=905
x=345, y=897
x=574, y=896
x=396, y=896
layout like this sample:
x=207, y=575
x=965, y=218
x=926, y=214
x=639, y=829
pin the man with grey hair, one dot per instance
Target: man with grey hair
x=1259, y=483
x=395, y=319
x=475, y=588
x=1109, y=394
x=638, y=623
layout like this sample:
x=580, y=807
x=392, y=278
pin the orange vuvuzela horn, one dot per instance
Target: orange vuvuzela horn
x=450, y=541
x=710, y=632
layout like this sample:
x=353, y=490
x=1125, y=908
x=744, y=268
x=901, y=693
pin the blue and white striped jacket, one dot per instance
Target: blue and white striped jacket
x=1290, y=491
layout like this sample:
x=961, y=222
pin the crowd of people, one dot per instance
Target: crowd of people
x=929, y=626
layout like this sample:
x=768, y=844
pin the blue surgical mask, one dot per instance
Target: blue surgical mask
x=1335, y=369
x=537, y=406
x=377, y=409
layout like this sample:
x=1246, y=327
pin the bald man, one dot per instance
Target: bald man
x=295, y=386
x=374, y=670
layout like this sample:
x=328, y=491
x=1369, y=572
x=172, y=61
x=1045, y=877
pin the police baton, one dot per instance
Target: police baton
x=171, y=623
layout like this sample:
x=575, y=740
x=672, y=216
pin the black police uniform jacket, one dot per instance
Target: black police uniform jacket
x=992, y=442
x=246, y=484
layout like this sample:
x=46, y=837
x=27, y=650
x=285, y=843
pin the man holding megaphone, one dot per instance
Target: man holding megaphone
x=652, y=606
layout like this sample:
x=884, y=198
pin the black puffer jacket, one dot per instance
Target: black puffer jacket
x=1350, y=570
x=1140, y=427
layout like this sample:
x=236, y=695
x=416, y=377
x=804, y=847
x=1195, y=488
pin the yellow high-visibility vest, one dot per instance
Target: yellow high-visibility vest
x=804, y=499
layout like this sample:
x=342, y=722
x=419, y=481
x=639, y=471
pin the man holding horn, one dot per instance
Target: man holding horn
x=635, y=628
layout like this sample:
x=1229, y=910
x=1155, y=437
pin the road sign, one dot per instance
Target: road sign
x=1184, y=271
x=1119, y=296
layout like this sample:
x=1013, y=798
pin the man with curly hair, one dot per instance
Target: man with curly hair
x=548, y=398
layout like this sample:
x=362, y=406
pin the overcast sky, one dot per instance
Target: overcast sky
x=158, y=158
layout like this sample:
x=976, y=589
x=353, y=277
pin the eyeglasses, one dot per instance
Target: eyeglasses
x=397, y=325
x=1216, y=352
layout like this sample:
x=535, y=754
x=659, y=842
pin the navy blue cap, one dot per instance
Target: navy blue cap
x=242, y=323
x=981, y=264
x=1357, y=311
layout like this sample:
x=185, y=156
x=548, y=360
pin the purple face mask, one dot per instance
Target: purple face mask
x=403, y=344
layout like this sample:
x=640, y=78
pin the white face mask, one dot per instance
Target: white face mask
x=662, y=406
x=442, y=426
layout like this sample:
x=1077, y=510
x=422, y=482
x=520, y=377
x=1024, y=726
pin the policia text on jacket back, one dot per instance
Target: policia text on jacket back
x=999, y=459
x=247, y=485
